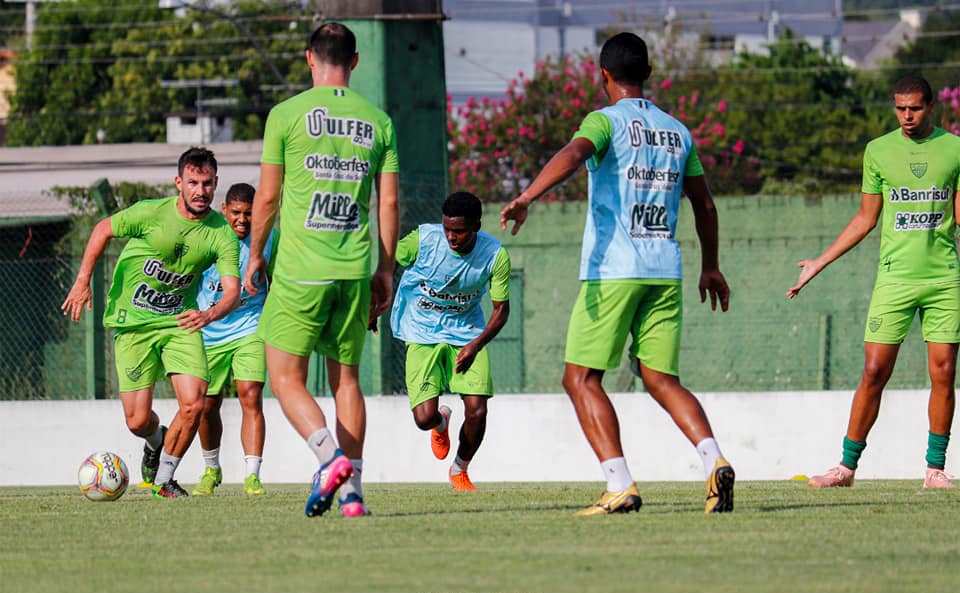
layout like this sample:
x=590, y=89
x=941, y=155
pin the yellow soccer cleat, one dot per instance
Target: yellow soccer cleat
x=720, y=488
x=614, y=502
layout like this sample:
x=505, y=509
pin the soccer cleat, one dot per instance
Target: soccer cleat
x=461, y=482
x=211, y=478
x=614, y=502
x=937, y=479
x=352, y=505
x=252, y=486
x=835, y=477
x=720, y=488
x=440, y=441
x=169, y=490
x=326, y=482
x=150, y=462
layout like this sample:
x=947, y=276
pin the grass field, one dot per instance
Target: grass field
x=879, y=536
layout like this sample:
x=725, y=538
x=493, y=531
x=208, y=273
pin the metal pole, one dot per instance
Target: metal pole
x=30, y=22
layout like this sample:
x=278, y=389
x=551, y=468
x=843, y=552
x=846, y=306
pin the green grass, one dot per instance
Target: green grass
x=879, y=536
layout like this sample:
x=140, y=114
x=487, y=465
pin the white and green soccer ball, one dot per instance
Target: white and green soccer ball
x=103, y=476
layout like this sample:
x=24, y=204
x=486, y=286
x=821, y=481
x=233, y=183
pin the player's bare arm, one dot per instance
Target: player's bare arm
x=265, y=208
x=80, y=295
x=194, y=320
x=563, y=164
x=498, y=318
x=388, y=217
x=712, y=281
x=859, y=227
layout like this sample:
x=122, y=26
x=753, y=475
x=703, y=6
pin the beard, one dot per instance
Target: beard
x=189, y=208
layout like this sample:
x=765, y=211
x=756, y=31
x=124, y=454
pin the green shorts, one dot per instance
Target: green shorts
x=606, y=311
x=244, y=356
x=893, y=307
x=430, y=372
x=144, y=356
x=328, y=317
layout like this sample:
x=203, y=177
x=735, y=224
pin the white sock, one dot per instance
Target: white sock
x=211, y=458
x=168, y=465
x=323, y=446
x=444, y=419
x=155, y=440
x=253, y=464
x=355, y=483
x=616, y=474
x=459, y=466
x=709, y=452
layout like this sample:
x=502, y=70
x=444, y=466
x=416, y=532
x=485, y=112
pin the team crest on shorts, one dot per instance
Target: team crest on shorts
x=135, y=373
x=875, y=323
x=918, y=169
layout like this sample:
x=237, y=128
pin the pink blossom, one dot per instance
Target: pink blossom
x=576, y=103
x=722, y=106
x=666, y=84
x=462, y=178
x=739, y=146
x=525, y=131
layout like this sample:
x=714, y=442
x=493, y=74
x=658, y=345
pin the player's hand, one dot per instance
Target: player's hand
x=381, y=292
x=193, y=320
x=808, y=269
x=79, y=297
x=256, y=272
x=517, y=211
x=466, y=356
x=713, y=282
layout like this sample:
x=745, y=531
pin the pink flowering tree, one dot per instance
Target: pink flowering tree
x=950, y=119
x=497, y=146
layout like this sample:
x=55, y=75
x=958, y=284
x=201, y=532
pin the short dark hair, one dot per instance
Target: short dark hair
x=197, y=157
x=465, y=204
x=241, y=192
x=333, y=43
x=914, y=83
x=625, y=57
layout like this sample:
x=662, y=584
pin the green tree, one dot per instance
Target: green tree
x=99, y=66
x=935, y=54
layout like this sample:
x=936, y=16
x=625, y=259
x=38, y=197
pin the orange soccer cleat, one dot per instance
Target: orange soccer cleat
x=440, y=441
x=461, y=482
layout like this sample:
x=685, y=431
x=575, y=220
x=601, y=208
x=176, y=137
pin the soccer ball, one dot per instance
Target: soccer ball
x=103, y=476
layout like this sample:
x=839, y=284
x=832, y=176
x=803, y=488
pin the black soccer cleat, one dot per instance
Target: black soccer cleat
x=150, y=462
x=170, y=489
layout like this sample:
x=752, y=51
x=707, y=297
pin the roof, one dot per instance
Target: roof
x=803, y=17
x=27, y=174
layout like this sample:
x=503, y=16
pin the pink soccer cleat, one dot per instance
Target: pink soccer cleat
x=937, y=478
x=352, y=506
x=835, y=477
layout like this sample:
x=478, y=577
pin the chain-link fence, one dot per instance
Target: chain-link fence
x=763, y=343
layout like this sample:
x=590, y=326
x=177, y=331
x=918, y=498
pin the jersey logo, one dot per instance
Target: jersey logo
x=333, y=212
x=666, y=140
x=649, y=221
x=875, y=323
x=917, y=221
x=359, y=132
x=918, y=169
x=339, y=93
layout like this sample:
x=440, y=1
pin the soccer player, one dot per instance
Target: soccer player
x=152, y=307
x=437, y=313
x=639, y=160
x=233, y=347
x=910, y=180
x=326, y=147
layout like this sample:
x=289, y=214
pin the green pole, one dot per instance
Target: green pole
x=95, y=348
x=401, y=70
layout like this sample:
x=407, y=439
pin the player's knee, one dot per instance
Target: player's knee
x=138, y=422
x=875, y=373
x=424, y=418
x=475, y=414
x=190, y=409
x=573, y=380
x=943, y=371
x=250, y=402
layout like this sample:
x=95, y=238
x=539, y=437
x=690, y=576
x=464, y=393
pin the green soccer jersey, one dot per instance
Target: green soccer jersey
x=331, y=143
x=918, y=180
x=160, y=268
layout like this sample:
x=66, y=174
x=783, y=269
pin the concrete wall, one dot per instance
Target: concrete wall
x=529, y=438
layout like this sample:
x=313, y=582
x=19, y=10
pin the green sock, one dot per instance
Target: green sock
x=937, y=450
x=851, y=452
